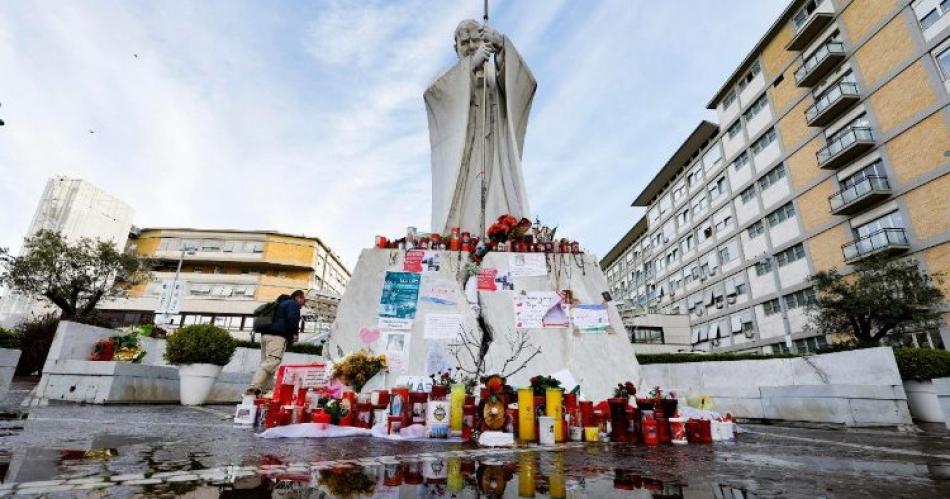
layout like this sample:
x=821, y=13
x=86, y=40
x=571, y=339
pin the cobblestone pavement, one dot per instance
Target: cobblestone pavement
x=69, y=450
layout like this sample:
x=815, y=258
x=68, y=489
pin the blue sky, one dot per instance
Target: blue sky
x=307, y=117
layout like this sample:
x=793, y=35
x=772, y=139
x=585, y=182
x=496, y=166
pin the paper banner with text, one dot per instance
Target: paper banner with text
x=443, y=326
x=400, y=295
x=493, y=280
x=438, y=291
x=540, y=310
x=527, y=264
x=418, y=260
x=590, y=318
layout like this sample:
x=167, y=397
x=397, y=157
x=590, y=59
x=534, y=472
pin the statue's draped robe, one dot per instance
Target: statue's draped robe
x=454, y=104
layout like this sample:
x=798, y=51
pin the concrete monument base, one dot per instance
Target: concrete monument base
x=597, y=361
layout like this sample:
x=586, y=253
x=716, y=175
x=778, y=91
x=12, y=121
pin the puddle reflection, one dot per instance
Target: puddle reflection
x=453, y=477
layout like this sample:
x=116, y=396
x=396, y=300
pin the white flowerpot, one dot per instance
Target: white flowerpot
x=923, y=402
x=195, y=382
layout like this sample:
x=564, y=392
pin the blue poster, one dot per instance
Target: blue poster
x=400, y=295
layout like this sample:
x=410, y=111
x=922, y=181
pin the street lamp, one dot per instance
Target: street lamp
x=166, y=303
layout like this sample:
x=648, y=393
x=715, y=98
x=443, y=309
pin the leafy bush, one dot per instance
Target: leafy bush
x=679, y=358
x=10, y=339
x=304, y=348
x=921, y=364
x=36, y=336
x=200, y=344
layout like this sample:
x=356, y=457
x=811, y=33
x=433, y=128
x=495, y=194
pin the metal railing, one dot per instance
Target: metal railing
x=875, y=241
x=843, y=141
x=829, y=97
x=847, y=196
x=817, y=57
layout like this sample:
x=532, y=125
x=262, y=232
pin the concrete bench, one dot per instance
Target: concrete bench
x=68, y=375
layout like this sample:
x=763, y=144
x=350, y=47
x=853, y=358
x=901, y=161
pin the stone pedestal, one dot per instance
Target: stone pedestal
x=597, y=361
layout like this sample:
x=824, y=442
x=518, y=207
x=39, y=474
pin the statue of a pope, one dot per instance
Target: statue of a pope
x=478, y=112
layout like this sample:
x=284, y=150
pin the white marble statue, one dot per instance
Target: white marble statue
x=463, y=146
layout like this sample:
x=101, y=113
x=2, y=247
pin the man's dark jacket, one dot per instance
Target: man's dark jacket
x=287, y=320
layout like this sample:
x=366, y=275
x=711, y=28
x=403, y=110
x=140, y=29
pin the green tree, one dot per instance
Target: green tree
x=73, y=276
x=883, y=296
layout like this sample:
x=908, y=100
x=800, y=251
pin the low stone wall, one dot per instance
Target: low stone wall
x=854, y=388
x=69, y=376
x=942, y=391
x=8, y=362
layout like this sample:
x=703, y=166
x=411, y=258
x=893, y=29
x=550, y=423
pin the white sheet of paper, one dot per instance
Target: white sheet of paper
x=527, y=264
x=393, y=323
x=396, y=344
x=443, y=326
x=438, y=357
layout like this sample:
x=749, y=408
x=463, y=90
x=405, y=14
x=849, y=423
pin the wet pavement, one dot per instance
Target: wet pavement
x=69, y=450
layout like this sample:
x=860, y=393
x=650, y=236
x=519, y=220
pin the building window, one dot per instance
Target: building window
x=780, y=215
x=790, y=255
x=679, y=192
x=930, y=11
x=718, y=188
x=810, y=344
x=728, y=99
x=943, y=62
x=683, y=217
x=652, y=335
x=800, y=298
x=741, y=161
x=740, y=289
x=747, y=194
x=764, y=141
x=756, y=106
x=689, y=242
x=725, y=255
x=700, y=205
x=723, y=224
x=780, y=348
x=755, y=230
x=771, y=307
x=772, y=177
x=802, y=15
x=734, y=128
x=753, y=72
x=763, y=267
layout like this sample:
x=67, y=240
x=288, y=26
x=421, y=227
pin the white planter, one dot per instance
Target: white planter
x=922, y=400
x=195, y=382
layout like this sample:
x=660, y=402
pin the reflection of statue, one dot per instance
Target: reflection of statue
x=479, y=89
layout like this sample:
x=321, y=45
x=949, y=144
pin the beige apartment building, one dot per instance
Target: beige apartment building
x=229, y=273
x=834, y=145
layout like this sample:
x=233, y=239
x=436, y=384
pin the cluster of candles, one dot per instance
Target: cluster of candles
x=457, y=240
x=448, y=411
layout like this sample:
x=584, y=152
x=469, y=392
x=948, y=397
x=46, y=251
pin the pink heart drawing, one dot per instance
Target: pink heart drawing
x=368, y=335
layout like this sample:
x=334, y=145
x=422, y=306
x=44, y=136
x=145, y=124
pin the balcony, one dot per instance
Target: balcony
x=806, y=32
x=845, y=148
x=859, y=196
x=832, y=103
x=818, y=64
x=888, y=241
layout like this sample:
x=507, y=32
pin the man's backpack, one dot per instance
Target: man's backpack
x=266, y=314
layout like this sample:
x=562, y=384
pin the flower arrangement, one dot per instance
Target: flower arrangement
x=540, y=384
x=119, y=348
x=657, y=394
x=625, y=390
x=358, y=367
x=505, y=227
x=445, y=378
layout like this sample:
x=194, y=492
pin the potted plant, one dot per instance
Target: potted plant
x=199, y=351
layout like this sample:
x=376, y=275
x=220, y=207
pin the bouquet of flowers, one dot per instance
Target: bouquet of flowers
x=502, y=228
x=358, y=367
x=625, y=390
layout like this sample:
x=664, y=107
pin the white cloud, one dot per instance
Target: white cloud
x=311, y=120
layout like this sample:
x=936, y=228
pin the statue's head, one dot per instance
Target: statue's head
x=467, y=37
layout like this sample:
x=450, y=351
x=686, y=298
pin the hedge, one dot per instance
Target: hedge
x=304, y=348
x=679, y=358
x=921, y=364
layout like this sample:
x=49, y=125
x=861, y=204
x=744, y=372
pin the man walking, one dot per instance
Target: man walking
x=282, y=332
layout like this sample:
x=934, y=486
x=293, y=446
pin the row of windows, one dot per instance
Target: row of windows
x=210, y=245
x=794, y=300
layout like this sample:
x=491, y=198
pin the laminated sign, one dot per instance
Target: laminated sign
x=493, y=280
x=418, y=260
x=540, y=310
x=528, y=264
x=400, y=295
x=590, y=318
